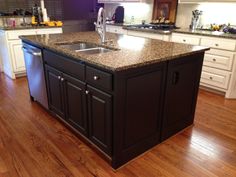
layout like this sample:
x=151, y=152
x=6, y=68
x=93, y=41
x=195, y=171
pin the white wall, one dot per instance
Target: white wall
x=140, y=11
x=219, y=13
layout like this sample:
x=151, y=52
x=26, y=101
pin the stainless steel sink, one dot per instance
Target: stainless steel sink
x=87, y=48
x=78, y=46
x=95, y=50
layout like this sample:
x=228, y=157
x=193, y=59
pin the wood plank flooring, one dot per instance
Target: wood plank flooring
x=34, y=144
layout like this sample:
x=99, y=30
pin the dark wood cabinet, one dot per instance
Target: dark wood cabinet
x=138, y=112
x=124, y=113
x=67, y=98
x=75, y=101
x=84, y=107
x=55, y=91
x=181, y=94
x=100, y=118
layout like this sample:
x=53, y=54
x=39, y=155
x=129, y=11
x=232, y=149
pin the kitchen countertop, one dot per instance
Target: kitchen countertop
x=206, y=33
x=118, y=24
x=167, y=32
x=130, y=51
x=181, y=30
x=26, y=27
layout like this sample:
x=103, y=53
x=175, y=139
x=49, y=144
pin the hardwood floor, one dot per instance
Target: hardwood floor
x=34, y=144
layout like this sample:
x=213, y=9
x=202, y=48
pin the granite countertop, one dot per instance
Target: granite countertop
x=130, y=51
x=181, y=30
x=118, y=24
x=167, y=32
x=206, y=33
x=26, y=27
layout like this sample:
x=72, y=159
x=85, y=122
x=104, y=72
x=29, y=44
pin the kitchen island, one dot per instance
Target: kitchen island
x=125, y=99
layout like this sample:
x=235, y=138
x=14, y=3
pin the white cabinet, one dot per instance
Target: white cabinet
x=226, y=44
x=115, y=29
x=17, y=56
x=215, y=78
x=11, y=53
x=163, y=37
x=219, y=66
x=219, y=59
x=186, y=39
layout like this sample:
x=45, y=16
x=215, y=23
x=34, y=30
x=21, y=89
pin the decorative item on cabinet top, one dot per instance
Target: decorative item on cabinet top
x=165, y=10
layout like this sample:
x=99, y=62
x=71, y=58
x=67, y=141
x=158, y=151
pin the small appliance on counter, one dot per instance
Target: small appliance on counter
x=196, y=19
x=40, y=18
x=119, y=15
x=37, y=18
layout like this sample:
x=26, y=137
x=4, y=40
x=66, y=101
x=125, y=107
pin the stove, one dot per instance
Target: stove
x=160, y=26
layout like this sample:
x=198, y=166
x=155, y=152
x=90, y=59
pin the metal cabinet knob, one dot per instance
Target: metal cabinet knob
x=62, y=79
x=95, y=78
x=211, y=78
x=216, y=45
x=214, y=59
x=59, y=77
x=86, y=92
x=184, y=40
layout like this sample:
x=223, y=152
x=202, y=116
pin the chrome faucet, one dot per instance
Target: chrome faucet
x=101, y=25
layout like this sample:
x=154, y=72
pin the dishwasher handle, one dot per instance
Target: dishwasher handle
x=37, y=54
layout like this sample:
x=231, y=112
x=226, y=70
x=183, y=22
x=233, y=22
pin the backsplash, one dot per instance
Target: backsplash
x=134, y=12
x=219, y=13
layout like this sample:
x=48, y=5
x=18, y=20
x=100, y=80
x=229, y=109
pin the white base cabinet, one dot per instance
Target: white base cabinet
x=11, y=54
x=219, y=67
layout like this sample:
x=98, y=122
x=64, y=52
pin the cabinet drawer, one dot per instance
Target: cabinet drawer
x=99, y=78
x=219, y=59
x=187, y=39
x=215, y=77
x=14, y=35
x=116, y=29
x=65, y=64
x=49, y=31
x=219, y=43
x=146, y=35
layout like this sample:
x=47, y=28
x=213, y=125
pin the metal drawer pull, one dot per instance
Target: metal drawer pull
x=86, y=92
x=95, y=78
x=211, y=78
x=214, y=59
x=216, y=45
x=37, y=54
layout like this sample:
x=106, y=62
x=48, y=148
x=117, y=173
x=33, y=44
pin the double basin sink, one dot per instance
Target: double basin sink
x=87, y=48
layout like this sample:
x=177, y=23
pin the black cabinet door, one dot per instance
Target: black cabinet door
x=100, y=118
x=55, y=90
x=75, y=101
x=181, y=94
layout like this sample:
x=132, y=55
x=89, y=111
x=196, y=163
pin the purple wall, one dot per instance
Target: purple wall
x=78, y=9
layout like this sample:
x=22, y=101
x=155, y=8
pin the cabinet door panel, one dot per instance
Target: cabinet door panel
x=55, y=90
x=17, y=56
x=75, y=101
x=100, y=117
x=181, y=94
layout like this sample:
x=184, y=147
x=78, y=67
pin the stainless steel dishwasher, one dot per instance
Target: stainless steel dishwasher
x=35, y=74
